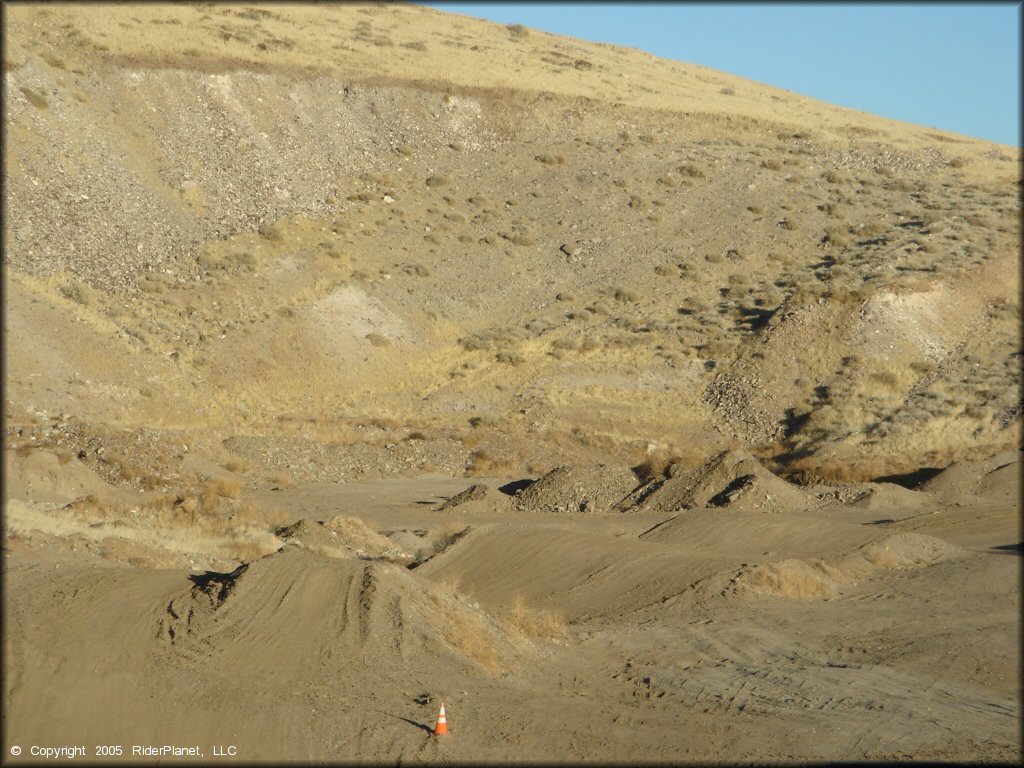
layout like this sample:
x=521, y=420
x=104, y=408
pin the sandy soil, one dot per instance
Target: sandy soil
x=692, y=636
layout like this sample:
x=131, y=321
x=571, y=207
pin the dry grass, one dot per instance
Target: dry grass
x=217, y=488
x=446, y=537
x=281, y=479
x=483, y=462
x=519, y=200
x=469, y=633
x=236, y=465
x=534, y=623
x=177, y=523
x=656, y=463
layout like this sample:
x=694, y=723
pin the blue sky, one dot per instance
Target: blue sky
x=949, y=66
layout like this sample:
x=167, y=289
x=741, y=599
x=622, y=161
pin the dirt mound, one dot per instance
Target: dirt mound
x=816, y=579
x=732, y=479
x=42, y=475
x=417, y=543
x=889, y=496
x=802, y=579
x=750, y=533
x=342, y=536
x=993, y=475
x=1003, y=481
x=578, y=571
x=477, y=498
x=592, y=488
x=295, y=609
x=907, y=550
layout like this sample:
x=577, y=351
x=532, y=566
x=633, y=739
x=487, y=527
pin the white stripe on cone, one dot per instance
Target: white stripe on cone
x=442, y=723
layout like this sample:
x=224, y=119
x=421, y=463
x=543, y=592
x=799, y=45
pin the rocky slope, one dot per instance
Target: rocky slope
x=254, y=223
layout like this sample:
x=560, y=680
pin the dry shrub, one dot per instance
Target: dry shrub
x=281, y=479
x=625, y=295
x=811, y=470
x=517, y=31
x=836, y=236
x=550, y=159
x=35, y=98
x=813, y=580
x=79, y=292
x=247, y=515
x=446, y=537
x=469, y=634
x=886, y=379
x=225, y=487
x=656, y=463
x=354, y=533
x=873, y=229
x=536, y=623
x=467, y=631
x=272, y=232
x=448, y=586
x=186, y=523
x=692, y=171
x=236, y=464
x=482, y=462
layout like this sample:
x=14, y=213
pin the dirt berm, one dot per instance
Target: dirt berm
x=732, y=478
x=997, y=475
x=590, y=488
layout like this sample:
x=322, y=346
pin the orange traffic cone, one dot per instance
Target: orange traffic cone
x=441, y=728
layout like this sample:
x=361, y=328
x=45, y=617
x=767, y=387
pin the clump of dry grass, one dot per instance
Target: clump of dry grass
x=281, y=479
x=219, y=487
x=272, y=232
x=836, y=236
x=445, y=538
x=518, y=31
x=692, y=171
x=189, y=522
x=482, y=462
x=469, y=634
x=236, y=464
x=35, y=98
x=79, y=292
x=466, y=630
x=550, y=159
x=656, y=463
x=534, y=623
x=448, y=535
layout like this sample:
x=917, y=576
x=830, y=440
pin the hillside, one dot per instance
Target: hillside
x=260, y=258
x=658, y=264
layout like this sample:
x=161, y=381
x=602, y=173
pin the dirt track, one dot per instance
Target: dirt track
x=669, y=653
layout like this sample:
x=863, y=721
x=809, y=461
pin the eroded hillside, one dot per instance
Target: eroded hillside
x=393, y=244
